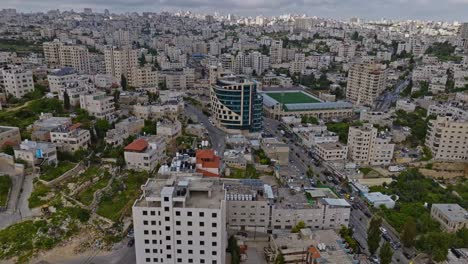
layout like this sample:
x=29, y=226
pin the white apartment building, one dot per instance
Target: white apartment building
x=145, y=153
x=405, y=105
x=276, y=51
x=70, y=138
x=120, y=61
x=98, y=105
x=452, y=217
x=367, y=146
x=180, y=221
x=16, y=81
x=456, y=110
x=447, y=138
x=60, y=54
x=366, y=81
x=60, y=77
x=177, y=79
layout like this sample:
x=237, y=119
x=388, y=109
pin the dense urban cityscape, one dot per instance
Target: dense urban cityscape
x=191, y=137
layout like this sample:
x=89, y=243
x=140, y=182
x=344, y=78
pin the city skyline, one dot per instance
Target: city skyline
x=451, y=10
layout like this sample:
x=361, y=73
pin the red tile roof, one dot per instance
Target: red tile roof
x=137, y=145
x=208, y=160
x=314, y=253
x=74, y=126
x=205, y=154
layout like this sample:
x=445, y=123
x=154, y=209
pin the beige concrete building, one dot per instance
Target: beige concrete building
x=276, y=51
x=16, y=81
x=366, y=81
x=143, y=77
x=120, y=61
x=447, y=138
x=58, y=54
x=452, y=217
x=169, y=128
x=98, y=105
x=123, y=129
x=9, y=136
x=145, y=153
x=71, y=138
x=178, y=79
x=60, y=77
x=156, y=111
x=331, y=151
x=276, y=150
x=367, y=146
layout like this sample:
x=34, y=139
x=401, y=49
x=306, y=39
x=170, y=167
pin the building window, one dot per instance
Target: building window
x=214, y=244
x=145, y=212
x=148, y=259
x=189, y=223
x=202, y=252
x=178, y=232
x=189, y=233
x=167, y=218
x=190, y=260
x=179, y=260
x=190, y=251
x=168, y=238
x=147, y=250
x=202, y=223
x=213, y=234
x=202, y=243
x=146, y=241
x=153, y=213
x=178, y=242
x=201, y=214
x=166, y=209
x=213, y=253
x=177, y=213
x=214, y=215
x=190, y=242
x=202, y=233
x=169, y=256
x=145, y=222
x=179, y=251
x=166, y=199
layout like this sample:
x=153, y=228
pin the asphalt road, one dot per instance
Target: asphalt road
x=388, y=98
x=217, y=136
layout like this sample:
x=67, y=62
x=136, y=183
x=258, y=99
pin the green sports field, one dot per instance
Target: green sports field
x=293, y=98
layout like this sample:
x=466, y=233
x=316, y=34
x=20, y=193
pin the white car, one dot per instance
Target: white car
x=383, y=230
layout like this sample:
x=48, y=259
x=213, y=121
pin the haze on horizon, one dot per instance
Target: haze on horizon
x=448, y=10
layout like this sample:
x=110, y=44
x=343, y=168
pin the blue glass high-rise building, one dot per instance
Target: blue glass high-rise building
x=236, y=104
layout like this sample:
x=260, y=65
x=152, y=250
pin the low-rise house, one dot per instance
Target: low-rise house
x=331, y=151
x=169, y=128
x=71, y=138
x=9, y=136
x=405, y=105
x=128, y=127
x=36, y=153
x=378, y=199
x=159, y=110
x=276, y=150
x=208, y=163
x=452, y=217
x=40, y=129
x=145, y=153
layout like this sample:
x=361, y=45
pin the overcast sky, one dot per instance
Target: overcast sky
x=450, y=10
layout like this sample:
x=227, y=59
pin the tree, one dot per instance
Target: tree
x=279, y=259
x=386, y=253
x=409, y=233
x=234, y=249
x=101, y=127
x=300, y=225
x=142, y=60
x=436, y=244
x=66, y=101
x=8, y=149
x=355, y=36
x=373, y=234
x=123, y=82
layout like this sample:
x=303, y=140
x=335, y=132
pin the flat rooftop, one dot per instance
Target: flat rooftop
x=331, y=145
x=453, y=212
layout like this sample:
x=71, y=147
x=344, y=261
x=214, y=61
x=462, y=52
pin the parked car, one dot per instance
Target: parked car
x=131, y=242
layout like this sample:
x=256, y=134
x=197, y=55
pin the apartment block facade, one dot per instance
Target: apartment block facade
x=98, y=105
x=120, y=61
x=447, y=138
x=16, y=81
x=58, y=54
x=145, y=153
x=71, y=138
x=366, y=146
x=366, y=81
x=180, y=221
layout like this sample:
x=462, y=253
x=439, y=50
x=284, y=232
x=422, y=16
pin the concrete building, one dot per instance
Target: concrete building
x=452, y=217
x=58, y=54
x=180, y=221
x=170, y=109
x=378, y=199
x=366, y=81
x=447, y=138
x=145, y=153
x=236, y=105
x=36, y=153
x=16, y=81
x=309, y=247
x=9, y=136
x=367, y=146
x=98, y=105
x=60, y=77
x=178, y=79
x=70, y=138
x=405, y=105
x=143, y=77
x=208, y=163
x=331, y=151
x=276, y=51
x=169, y=128
x=463, y=33
x=40, y=129
x=128, y=127
x=120, y=61
x=276, y=150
